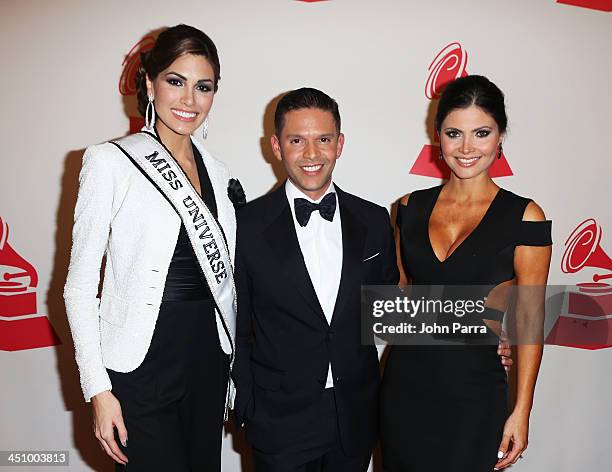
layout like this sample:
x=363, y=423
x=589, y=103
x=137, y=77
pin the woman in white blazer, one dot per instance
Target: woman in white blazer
x=154, y=351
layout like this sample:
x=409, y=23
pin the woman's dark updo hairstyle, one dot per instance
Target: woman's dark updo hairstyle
x=473, y=90
x=169, y=46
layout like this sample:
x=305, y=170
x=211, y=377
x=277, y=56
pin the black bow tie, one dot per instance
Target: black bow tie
x=303, y=208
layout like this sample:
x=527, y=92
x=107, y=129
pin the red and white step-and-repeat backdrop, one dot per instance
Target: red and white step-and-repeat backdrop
x=67, y=71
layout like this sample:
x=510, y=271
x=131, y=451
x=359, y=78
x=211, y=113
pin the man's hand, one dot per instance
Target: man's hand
x=503, y=349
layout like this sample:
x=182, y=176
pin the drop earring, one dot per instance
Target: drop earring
x=441, y=156
x=500, y=152
x=150, y=115
x=205, y=128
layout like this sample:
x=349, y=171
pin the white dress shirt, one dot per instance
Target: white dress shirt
x=321, y=245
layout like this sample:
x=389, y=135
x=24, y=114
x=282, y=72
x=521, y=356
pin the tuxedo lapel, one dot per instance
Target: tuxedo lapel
x=353, y=241
x=282, y=239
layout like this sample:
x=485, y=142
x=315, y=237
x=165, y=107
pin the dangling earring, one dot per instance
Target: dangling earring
x=205, y=128
x=150, y=115
x=500, y=152
x=441, y=156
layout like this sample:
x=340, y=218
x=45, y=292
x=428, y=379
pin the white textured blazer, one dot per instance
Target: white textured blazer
x=121, y=214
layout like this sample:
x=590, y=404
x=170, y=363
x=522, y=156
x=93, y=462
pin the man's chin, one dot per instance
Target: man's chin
x=313, y=187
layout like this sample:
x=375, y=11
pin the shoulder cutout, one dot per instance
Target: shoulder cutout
x=533, y=212
x=535, y=229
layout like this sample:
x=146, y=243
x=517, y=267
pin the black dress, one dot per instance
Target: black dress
x=173, y=403
x=443, y=408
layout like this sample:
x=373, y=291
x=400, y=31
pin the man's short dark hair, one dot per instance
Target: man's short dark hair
x=305, y=98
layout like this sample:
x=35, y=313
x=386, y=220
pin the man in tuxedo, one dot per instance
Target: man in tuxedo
x=307, y=389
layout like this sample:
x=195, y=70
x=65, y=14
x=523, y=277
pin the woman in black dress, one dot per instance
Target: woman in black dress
x=445, y=407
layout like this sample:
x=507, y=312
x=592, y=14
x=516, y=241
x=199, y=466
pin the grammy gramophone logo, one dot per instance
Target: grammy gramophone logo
x=587, y=321
x=449, y=64
x=127, y=81
x=21, y=326
x=603, y=5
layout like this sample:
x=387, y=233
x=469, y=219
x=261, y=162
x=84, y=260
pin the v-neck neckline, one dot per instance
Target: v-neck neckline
x=471, y=233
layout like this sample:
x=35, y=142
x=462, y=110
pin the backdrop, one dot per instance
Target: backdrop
x=66, y=69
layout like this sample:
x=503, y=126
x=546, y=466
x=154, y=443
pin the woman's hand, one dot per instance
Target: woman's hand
x=106, y=416
x=514, y=439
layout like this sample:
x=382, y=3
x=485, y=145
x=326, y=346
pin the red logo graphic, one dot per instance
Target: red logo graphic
x=448, y=65
x=588, y=322
x=127, y=81
x=603, y=5
x=20, y=327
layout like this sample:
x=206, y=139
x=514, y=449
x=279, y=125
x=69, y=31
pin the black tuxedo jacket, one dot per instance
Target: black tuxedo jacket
x=284, y=343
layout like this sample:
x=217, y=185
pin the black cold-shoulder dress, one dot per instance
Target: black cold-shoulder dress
x=443, y=408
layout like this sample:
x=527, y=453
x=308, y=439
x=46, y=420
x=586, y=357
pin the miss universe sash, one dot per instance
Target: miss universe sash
x=205, y=234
